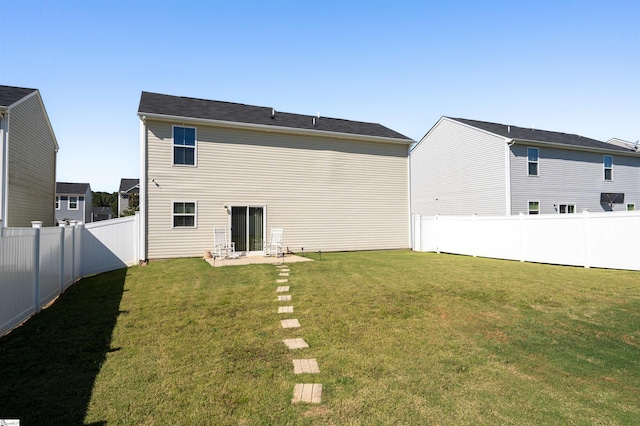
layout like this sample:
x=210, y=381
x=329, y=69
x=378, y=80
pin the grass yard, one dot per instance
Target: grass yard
x=400, y=338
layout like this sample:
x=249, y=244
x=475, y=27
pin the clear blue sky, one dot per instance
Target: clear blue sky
x=569, y=66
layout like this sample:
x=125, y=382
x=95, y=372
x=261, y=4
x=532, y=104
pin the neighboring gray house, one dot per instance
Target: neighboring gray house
x=332, y=184
x=128, y=188
x=101, y=213
x=73, y=202
x=28, y=150
x=463, y=167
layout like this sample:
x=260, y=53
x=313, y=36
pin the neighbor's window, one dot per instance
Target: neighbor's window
x=631, y=207
x=184, y=215
x=534, y=207
x=567, y=208
x=73, y=203
x=184, y=145
x=607, y=161
x=57, y=203
x=532, y=160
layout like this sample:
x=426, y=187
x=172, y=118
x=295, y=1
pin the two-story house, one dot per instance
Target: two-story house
x=463, y=167
x=129, y=188
x=73, y=202
x=331, y=184
x=28, y=150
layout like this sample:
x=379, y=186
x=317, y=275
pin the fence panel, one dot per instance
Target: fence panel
x=17, y=280
x=107, y=245
x=50, y=264
x=605, y=240
x=69, y=256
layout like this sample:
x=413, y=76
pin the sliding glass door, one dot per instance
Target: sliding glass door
x=247, y=228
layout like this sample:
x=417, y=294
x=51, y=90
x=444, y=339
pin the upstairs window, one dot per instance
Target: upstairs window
x=184, y=215
x=532, y=160
x=607, y=162
x=184, y=146
x=73, y=203
x=631, y=207
x=534, y=207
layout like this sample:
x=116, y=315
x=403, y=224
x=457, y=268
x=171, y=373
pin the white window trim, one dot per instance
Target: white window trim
x=539, y=207
x=537, y=162
x=58, y=199
x=195, y=147
x=195, y=214
x=604, y=168
x=631, y=205
x=69, y=202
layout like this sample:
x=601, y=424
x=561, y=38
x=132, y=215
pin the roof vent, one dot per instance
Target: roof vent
x=273, y=113
x=508, y=129
x=318, y=114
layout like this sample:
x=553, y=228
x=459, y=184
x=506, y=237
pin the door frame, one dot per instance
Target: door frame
x=264, y=223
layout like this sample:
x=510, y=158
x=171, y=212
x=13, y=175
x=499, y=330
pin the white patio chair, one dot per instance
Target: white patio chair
x=222, y=247
x=273, y=246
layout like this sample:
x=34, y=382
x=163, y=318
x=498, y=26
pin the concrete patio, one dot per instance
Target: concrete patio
x=250, y=260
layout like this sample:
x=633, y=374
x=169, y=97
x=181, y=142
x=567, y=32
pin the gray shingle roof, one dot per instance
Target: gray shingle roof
x=9, y=95
x=154, y=103
x=71, y=188
x=127, y=184
x=534, y=135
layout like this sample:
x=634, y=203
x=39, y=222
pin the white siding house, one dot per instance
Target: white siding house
x=332, y=184
x=463, y=167
x=28, y=150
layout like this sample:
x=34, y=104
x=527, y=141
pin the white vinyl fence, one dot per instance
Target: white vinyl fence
x=600, y=240
x=37, y=264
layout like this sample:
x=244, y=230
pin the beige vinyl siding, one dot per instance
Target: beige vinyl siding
x=327, y=194
x=458, y=170
x=32, y=165
x=571, y=177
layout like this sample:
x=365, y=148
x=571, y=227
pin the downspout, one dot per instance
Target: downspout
x=142, y=201
x=4, y=166
x=411, y=224
x=507, y=174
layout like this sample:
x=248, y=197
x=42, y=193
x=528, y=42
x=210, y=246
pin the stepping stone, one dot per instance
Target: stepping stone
x=283, y=298
x=284, y=274
x=282, y=281
x=290, y=323
x=282, y=266
x=298, y=343
x=284, y=270
x=305, y=366
x=307, y=392
x=282, y=289
x=285, y=309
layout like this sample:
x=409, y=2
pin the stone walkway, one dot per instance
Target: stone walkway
x=302, y=392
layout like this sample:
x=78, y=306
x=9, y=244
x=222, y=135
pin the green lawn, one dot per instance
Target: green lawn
x=400, y=338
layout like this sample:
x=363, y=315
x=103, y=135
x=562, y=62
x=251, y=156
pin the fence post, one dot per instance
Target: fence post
x=586, y=243
x=37, y=225
x=437, y=232
x=474, y=225
x=62, y=229
x=417, y=232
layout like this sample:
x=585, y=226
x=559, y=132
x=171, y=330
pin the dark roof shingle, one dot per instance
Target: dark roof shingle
x=10, y=95
x=71, y=188
x=127, y=184
x=154, y=103
x=534, y=135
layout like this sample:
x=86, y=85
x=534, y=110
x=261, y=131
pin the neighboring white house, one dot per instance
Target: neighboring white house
x=73, y=202
x=332, y=184
x=463, y=167
x=28, y=150
x=128, y=188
